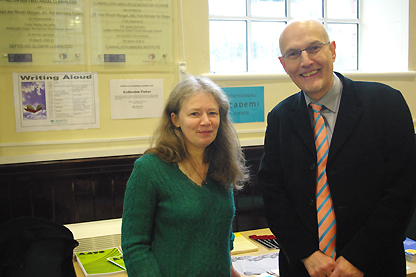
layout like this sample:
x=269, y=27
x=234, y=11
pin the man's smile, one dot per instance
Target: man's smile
x=309, y=73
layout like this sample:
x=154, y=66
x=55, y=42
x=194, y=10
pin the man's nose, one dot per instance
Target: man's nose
x=305, y=59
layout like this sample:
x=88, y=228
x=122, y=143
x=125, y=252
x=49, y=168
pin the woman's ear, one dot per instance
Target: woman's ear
x=175, y=120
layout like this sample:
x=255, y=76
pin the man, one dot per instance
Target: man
x=369, y=167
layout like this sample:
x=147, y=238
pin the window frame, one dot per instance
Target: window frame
x=248, y=19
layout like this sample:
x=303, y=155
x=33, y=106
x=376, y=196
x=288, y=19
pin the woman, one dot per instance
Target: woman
x=178, y=206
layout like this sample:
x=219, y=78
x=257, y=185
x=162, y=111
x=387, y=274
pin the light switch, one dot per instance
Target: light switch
x=182, y=71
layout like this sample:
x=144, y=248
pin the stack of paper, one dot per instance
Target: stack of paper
x=242, y=245
x=101, y=262
x=410, y=249
x=254, y=265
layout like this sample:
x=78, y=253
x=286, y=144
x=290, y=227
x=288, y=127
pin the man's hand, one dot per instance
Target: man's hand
x=345, y=269
x=319, y=265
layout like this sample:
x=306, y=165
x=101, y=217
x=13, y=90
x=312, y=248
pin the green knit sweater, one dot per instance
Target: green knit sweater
x=173, y=227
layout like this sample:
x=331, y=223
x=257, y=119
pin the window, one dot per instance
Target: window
x=244, y=34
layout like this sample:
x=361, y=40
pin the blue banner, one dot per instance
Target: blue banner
x=247, y=103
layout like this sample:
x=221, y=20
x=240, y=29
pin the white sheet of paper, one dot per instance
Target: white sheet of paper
x=136, y=98
x=254, y=265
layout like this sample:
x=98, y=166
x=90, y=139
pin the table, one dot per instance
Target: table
x=261, y=250
x=411, y=267
x=411, y=270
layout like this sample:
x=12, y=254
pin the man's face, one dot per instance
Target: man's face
x=312, y=73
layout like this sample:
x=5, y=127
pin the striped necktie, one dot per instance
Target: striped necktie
x=325, y=211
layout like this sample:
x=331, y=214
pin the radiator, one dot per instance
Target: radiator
x=96, y=235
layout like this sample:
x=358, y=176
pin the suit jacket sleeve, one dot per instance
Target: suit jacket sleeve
x=282, y=211
x=386, y=174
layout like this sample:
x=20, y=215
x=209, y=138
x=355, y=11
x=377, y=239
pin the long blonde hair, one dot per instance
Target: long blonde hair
x=224, y=154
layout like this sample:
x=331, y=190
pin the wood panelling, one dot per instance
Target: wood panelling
x=81, y=190
x=67, y=191
x=248, y=201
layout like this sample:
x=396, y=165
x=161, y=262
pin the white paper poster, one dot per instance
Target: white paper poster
x=136, y=98
x=56, y=101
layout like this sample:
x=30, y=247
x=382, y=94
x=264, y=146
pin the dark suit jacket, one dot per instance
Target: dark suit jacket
x=371, y=174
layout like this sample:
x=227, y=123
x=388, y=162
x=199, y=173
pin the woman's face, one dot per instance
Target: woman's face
x=199, y=119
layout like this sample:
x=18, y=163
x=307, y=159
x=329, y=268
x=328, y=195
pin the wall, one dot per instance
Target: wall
x=82, y=190
x=124, y=137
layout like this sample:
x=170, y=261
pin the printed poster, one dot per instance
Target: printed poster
x=136, y=98
x=132, y=32
x=246, y=103
x=55, y=101
x=43, y=32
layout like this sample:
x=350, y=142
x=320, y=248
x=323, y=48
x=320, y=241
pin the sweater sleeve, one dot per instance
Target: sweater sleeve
x=232, y=236
x=138, y=215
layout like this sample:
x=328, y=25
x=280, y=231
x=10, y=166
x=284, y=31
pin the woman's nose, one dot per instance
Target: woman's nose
x=205, y=120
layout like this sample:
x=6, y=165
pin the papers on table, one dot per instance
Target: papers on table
x=100, y=262
x=242, y=245
x=251, y=265
x=410, y=249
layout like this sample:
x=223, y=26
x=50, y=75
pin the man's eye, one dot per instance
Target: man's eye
x=314, y=48
x=292, y=54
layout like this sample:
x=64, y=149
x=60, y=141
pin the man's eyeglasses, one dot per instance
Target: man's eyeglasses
x=312, y=50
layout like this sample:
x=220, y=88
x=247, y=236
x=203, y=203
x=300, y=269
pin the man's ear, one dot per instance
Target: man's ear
x=332, y=47
x=175, y=120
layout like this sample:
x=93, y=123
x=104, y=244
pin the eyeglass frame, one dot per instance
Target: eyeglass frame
x=306, y=49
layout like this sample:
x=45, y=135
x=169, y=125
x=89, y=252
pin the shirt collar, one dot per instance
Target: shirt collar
x=331, y=99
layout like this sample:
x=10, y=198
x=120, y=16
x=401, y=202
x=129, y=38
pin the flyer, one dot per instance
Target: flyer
x=56, y=101
x=136, y=98
x=96, y=263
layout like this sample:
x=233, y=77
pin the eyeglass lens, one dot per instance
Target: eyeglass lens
x=313, y=49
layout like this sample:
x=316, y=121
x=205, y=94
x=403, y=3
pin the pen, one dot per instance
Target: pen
x=268, y=241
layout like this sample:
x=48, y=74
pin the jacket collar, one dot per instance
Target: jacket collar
x=350, y=111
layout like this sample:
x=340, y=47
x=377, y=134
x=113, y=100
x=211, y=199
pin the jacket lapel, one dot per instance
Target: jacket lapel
x=301, y=122
x=349, y=113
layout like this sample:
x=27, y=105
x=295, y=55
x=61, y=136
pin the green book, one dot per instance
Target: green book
x=118, y=260
x=97, y=263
